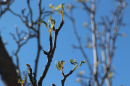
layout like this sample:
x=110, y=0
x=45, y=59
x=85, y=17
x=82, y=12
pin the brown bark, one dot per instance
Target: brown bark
x=7, y=68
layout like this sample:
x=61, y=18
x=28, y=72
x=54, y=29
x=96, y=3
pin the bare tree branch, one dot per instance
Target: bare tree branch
x=79, y=42
x=65, y=76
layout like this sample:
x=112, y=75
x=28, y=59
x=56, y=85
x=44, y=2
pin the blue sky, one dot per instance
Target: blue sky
x=66, y=38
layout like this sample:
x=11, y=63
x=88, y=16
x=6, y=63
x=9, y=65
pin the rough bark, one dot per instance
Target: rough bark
x=7, y=68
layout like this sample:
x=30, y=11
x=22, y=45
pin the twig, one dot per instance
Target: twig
x=65, y=76
x=31, y=76
x=79, y=42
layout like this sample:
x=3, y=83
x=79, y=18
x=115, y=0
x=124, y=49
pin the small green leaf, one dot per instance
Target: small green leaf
x=19, y=81
x=71, y=61
x=74, y=63
x=51, y=15
x=81, y=63
x=58, y=7
x=49, y=25
x=62, y=6
x=44, y=23
x=57, y=66
x=76, y=66
x=52, y=23
x=49, y=30
x=22, y=81
x=62, y=11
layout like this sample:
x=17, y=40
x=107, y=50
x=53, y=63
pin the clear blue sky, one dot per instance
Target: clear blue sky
x=66, y=38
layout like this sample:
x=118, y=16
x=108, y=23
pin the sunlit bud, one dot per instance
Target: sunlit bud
x=81, y=72
x=124, y=35
x=17, y=71
x=24, y=38
x=51, y=6
x=30, y=24
x=85, y=24
x=78, y=79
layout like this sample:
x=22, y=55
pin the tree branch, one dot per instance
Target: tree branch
x=50, y=53
x=65, y=76
x=94, y=41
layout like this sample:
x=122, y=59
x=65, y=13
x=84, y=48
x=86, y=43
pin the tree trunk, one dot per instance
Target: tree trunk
x=7, y=68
